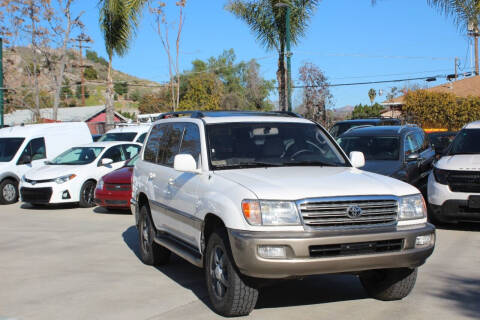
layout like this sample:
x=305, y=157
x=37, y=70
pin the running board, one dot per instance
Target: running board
x=180, y=248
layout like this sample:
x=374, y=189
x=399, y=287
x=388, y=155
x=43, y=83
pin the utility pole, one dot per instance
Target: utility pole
x=289, y=62
x=456, y=65
x=2, y=89
x=82, y=38
x=474, y=32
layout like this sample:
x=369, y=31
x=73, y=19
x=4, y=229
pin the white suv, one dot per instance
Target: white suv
x=251, y=196
x=454, y=184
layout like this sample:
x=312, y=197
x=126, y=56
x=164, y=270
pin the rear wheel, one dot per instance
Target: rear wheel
x=87, y=194
x=151, y=252
x=8, y=191
x=229, y=293
x=389, y=284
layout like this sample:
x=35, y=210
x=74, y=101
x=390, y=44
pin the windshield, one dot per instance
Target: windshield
x=373, y=148
x=9, y=147
x=339, y=128
x=131, y=162
x=466, y=142
x=247, y=145
x=118, y=136
x=77, y=156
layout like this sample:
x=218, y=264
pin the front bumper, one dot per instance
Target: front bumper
x=454, y=211
x=114, y=199
x=50, y=192
x=299, y=261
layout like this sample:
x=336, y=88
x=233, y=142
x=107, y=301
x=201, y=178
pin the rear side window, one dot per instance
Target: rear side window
x=152, y=147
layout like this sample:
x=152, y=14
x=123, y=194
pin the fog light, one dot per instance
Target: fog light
x=65, y=195
x=424, y=241
x=272, y=252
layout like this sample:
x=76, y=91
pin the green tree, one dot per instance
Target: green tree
x=372, y=94
x=267, y=21
x=118, y=21
x=121, y=88
x=204, y=92
x=466, y=14
x=361, y=111
x=90, y=73
x=155, y=103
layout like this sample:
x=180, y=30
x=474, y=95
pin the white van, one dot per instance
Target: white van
x=133, y=133
x=25, y=147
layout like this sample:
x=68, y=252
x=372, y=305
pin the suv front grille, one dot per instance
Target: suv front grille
x=319, y=213
x=464, y=181
x=347, y=249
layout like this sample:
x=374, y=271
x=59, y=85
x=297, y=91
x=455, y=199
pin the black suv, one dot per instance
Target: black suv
x=401, y=152
x=342, y=126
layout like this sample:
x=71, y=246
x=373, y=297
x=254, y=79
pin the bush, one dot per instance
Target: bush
x=90, y=73
x=365, y=111
x=93, y=56
x=120, y=88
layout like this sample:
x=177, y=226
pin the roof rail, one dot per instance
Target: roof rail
x=176, y=114
x=359, y=127
x=202, y=114
x=289, y=113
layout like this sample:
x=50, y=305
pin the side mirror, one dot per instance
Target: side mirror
x=106, y=161
x=357, y=159
x=185, y=163
x=413, y=157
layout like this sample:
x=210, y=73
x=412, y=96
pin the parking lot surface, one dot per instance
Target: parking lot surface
x=70, y=263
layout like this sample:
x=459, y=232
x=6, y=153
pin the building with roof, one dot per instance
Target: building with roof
x=95, y=117
x=461, y=88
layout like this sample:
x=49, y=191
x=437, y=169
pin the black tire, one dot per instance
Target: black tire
x=229, y=293
x=151, y=253
x=389, y=284
x=87, y=194
x=8, y=191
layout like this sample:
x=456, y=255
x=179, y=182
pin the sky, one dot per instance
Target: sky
x=349, y=40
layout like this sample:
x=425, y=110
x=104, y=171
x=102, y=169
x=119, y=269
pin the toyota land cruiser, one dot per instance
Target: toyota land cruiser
x=250, y=196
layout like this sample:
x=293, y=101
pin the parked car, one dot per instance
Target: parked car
x=268, y=196
x=25, y=147
x=136, y=133
x=342, y=126
x=401, y=152
x=440, y=141
x=114, y=190
x=454, y=184
x=72, y=176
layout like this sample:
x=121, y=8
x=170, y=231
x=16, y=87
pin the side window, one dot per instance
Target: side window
x=38, y=149
x=411, y=144
x=141, y=139
x=191, y=141
x=152, y=146
x=172, y=145
x=130, y=150
x=115, y=153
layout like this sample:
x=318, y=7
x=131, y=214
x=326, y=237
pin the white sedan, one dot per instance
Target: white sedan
x=72, y=176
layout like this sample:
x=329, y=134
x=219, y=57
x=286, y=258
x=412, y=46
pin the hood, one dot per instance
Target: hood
x=294, y=183
x=51, y=172
x=122, y=175
x=465, y=162
x=386, y=168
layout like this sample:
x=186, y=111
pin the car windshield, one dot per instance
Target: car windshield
x=248, y=145
x=77, y=156
x=340, y=128
x=118, y=136
x=373, y=147
x=466, y=142
x=9, y=147
x=131, y=162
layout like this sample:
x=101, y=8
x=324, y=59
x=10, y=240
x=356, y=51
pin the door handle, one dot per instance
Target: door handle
x=151, y=175
x=171, y=181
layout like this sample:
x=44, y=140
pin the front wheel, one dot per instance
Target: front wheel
x=8, y=191
x=229, y=293
x=389, y=284
x=87, y=194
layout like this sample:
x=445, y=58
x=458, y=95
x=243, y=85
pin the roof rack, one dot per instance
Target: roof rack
x=202, y=114
x=359, y=127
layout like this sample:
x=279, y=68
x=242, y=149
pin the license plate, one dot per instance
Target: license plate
x=474, y=202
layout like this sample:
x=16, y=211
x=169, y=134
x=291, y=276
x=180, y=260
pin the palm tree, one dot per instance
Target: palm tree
x=118, y=21
x=267, y=21
x=372, y=94
x=466, y=15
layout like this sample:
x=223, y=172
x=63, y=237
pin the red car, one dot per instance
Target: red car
x=114, y=190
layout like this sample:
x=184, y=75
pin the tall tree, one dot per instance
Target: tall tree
x=267, y=20
x=118, y=21
x=372, y=94
x=466, y=15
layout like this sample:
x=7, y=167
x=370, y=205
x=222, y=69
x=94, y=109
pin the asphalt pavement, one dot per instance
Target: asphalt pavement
x=71, y=263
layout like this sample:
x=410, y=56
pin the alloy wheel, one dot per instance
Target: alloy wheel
x=219, y=272
x=9, y=192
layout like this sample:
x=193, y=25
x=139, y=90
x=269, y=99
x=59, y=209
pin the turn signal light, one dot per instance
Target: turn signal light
x=251, y=212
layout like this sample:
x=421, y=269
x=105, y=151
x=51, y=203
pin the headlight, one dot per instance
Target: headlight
x=441, y=176
x=64, y=179
x=412, y=207
x=100, y=184
x=270, y=213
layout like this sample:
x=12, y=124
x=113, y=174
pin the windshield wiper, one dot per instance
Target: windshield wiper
x=255, y=164
x=312, y=163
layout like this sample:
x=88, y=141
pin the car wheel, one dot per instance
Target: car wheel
x=229, y=293
x=87, y=194
x=389, y=284
x=8, y=191
x=151, y=252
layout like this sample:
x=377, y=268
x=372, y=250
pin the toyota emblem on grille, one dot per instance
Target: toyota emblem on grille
x=354, y=212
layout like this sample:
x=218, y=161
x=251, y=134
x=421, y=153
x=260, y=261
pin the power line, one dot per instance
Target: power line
x=363, y=55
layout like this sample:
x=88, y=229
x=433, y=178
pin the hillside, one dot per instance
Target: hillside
x=19, y=68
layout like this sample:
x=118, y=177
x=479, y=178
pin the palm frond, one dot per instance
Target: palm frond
x=463, y=12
